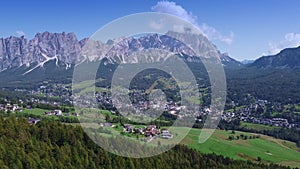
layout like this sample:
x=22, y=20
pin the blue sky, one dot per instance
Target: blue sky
x=244, y=29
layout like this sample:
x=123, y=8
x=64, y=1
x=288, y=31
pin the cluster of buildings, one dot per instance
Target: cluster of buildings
x=103, y=97
x=33, y=120
x=150, y=132
x=280, y=122
x=54, y=112
x=10, y=107
x=139, y=104
x=53, y=89
x=50, y=90
x=252, y=115
x=58, y=112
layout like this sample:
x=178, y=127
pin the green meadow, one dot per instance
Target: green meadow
x=264, y=148
x=35, y=111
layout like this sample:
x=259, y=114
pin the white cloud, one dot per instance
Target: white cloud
x=213, y=34
x=290, y=40
x=20, y=33
x=174, y=9
x=156, y=25
x=179, y=11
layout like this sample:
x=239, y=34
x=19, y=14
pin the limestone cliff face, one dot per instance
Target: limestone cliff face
x=68, y=50
x=18, y=51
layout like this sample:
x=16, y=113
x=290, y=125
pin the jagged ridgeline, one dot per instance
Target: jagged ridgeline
x=52, y=56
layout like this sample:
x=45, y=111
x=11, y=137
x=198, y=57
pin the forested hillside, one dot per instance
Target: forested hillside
x=55, y=145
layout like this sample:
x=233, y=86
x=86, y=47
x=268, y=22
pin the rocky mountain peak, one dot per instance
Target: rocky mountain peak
x=67, y=49
x=17, y=51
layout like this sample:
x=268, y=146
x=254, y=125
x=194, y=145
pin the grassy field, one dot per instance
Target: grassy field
x=257, y=127
x=267, y=148
x=88, y=86
x=237, y=109
x=35, y=111
x=195, y=100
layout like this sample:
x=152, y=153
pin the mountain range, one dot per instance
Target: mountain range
x=56, y=54
x=65, y=48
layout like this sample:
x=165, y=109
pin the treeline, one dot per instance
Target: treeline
x=55, y=145
x=290, y=134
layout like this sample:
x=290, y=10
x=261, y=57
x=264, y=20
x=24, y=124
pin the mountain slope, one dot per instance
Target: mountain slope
x=287, y=58
x=229, y=62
